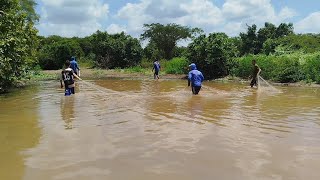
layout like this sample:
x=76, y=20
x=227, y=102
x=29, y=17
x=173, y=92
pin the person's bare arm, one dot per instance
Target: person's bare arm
x=259, y=71
x=61, y=85
x=77, y=76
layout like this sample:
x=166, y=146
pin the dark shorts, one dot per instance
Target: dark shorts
x=156, y=73
x=253, y=82
x=196, y=89
x=69, y=91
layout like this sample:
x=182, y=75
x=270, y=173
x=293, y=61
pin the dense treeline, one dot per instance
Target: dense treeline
x=216, y=54
x=282, y=55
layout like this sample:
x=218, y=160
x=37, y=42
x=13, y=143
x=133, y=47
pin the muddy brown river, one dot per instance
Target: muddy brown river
x=156, y=130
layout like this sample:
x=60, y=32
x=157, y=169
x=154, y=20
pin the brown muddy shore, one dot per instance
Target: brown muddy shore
x=110, y=73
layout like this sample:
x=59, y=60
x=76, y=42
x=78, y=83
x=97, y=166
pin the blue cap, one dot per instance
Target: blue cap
x=193, y=66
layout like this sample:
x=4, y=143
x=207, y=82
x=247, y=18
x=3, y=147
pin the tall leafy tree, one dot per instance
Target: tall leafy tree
x=284, y=30
x=249, y=41
x=213, y=54
x=256, y=41
x=17, y=42
x=54, y=54
x=165, y=37
x=116, y=50
x=28, y=7
x=264, y=33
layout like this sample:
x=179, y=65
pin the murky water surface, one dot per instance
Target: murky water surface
x=144, y=129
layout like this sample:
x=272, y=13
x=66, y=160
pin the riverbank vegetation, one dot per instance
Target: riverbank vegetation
x=282, y=55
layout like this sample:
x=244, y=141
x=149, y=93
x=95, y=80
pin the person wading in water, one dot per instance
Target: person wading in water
x=255, y=73
x=156, y=68
x=195, y=78
x=67, y=76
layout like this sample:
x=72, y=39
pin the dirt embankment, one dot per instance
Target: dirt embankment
x=102, y=73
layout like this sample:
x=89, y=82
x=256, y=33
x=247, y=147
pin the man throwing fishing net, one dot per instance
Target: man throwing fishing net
x=255, y=73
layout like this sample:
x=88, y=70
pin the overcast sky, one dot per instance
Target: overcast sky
x=83, y=17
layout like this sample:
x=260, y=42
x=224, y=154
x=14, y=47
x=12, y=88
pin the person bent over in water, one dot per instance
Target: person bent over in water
x=255, y=73
x=196, y=78
x=67, y=76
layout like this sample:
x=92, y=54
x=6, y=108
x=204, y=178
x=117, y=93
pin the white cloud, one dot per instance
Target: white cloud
x=231, y=18
x=201, y=12
x=242, y=12
x=309, y=24
x=69, y=30
x=115, y=28
x=233, y=28
x=166, y=8
x=83, y=17
x=248, y=10
x=135, y=16
x=287, y=13
x=184, y=12
x=72, y=17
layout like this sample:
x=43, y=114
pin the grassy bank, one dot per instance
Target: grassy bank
x=32, y=78
x=134, y=72
x=288, y=68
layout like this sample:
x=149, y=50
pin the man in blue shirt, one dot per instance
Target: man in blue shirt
x=74, y=66
x=156, y=68
x=195, y=77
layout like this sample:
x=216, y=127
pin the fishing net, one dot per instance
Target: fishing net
x=263, y=85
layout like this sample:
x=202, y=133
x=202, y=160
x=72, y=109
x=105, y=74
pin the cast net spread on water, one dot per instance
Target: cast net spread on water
x=264, y=86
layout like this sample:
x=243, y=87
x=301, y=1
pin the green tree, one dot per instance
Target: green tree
x=28, y=7
x=269, y=37
x=213, y=54
x=86, y=45
x=253, y=41
x=165, y=37
x=265, y=33
x=269, y=46
x=116, y=50
x=53, y=55
x=284, y=30
x=151, y=52
x=249, y=41
x=17, y=42
x=307, y=43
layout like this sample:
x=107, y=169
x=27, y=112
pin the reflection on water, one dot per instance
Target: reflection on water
x=67, y=110
x=19, y=131
x=133, y=129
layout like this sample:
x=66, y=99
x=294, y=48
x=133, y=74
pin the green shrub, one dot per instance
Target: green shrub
x=87, y=61
x=177, y=66
x=242, y=67
x=287, y=70
x=146, y=63
x=311, y=67
x=284, y=68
